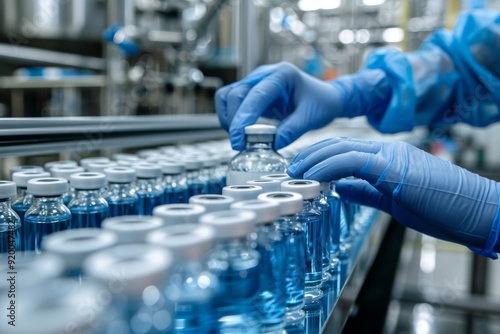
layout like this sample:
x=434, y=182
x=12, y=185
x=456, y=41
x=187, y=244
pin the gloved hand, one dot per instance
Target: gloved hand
x=419, y=190
x=300, y=101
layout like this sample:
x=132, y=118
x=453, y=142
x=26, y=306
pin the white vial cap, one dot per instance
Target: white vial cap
x=66, y=171
x=147, y=153
x=60, y=163
x=186, y=242
x=212, y=203
x=266, y=211
x=21, y=178
x=7, y=189
x=126, y=157
x=242, y=192
x=74, y=246
x=48, y=186
x=279, y=177
x=225, y=159
x=24, y=168
x=132, y=229
x=147, y=170
x=171, y=167
x=208, y=162
x=173, y=214
x=100, y=166
x=290, y=202
x=260, y=129
x=266, y=185
x=192, y=164
x=86, y=161
x=139, y=265
x=88, y=180
x=230, y=223
x=120, y=174
x=307, y=188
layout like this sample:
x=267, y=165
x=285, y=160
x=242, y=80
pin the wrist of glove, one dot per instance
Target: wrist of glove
x=421, y=191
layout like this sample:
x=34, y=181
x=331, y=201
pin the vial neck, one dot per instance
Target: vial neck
x=259, y=145
x=146, y=182
x=87, y=193
x=172, y=177
x=44, y=200
x=119, y=186
x=4, y=204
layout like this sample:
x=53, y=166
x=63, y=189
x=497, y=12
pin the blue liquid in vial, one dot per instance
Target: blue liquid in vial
x=10, y=239
x=195, y=189
x=223, y=181
x=235, y=309
x=272, y=295
x=84, y=218
x=35, y=231
x=122, y=208
x=314, y=260
x=176, y=195
x=213, y=187
x=295, y=268
x=21, y=211
x=147, y=202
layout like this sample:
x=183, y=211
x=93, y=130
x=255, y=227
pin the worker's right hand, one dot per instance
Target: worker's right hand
x=302, y=102
x=421, y=191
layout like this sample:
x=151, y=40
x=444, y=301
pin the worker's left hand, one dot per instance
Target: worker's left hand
x=296, y=99
x=421, y=191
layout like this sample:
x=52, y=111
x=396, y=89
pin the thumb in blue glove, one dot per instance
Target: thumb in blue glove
x=419, y=190
x=300, y=101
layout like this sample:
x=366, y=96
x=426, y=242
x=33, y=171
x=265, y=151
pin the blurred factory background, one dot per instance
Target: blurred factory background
x=114, y=58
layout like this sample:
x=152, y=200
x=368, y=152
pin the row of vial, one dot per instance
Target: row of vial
x=277, y=263
x=271, y=268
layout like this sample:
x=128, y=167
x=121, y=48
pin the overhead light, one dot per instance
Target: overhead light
x=373, y=2
x=393, y=35
x=311, y=5
x=346, y=36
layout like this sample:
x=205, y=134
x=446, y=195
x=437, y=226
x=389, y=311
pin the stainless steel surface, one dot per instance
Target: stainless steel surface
x=87, y=144
x=53, y=19
x=36, y=56
x=66, y=82
x=80, y=135
x=367, y=246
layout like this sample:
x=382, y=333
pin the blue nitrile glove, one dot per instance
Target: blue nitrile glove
x=300, y=101
x=421, y=191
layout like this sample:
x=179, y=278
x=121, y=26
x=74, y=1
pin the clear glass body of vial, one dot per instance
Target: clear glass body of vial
x=272, y=248
x=120, y=195
x=47, y=214
x=148, y=189
x=295, y=240
x=88, y=207
x=259, y=157
x=174, y=183
x=236, y=265
x=190, y=285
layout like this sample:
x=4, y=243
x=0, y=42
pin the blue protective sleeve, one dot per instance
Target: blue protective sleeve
x=453, y=78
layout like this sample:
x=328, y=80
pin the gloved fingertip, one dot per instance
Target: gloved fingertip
x=292, y=170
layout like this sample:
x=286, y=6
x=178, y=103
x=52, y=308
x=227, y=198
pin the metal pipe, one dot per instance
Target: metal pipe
x=39, y=56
